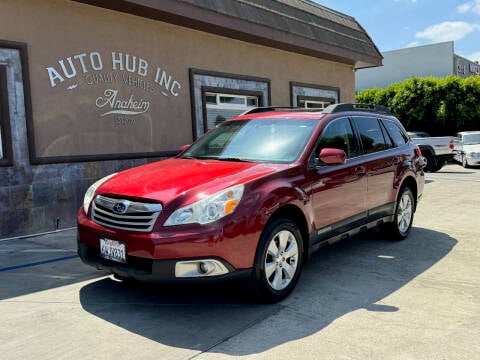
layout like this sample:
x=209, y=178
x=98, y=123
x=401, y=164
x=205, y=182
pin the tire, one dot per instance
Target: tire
x=440, y=164
x=465, y=162
x=403, y=218
x=278, y=261
x=429, y=160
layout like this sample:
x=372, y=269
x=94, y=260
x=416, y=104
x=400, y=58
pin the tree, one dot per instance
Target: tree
x=439, y=106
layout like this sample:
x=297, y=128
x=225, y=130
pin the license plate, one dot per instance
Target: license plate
x=113, y=250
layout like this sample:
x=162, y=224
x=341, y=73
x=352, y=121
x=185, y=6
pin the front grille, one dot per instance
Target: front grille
x=125, y=214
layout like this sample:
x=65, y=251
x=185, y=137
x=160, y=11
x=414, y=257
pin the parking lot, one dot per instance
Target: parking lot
x=364, y=298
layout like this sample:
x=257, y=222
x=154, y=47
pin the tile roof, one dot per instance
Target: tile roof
x=300, y=26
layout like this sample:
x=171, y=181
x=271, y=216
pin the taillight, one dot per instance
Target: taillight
x=418, y=152
x=451, y=144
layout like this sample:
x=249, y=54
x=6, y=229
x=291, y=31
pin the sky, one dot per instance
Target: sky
x=397, y=24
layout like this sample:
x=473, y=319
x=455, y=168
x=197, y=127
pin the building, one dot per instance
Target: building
x=437, y=60
x=92, y=87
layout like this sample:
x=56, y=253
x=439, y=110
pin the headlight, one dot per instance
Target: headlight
x=207, y=210
x=91, y=192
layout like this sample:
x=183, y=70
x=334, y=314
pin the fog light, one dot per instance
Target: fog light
x=197, y=268
x=206, y=268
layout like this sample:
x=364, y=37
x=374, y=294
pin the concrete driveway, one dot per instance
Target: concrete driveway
x=365, y=298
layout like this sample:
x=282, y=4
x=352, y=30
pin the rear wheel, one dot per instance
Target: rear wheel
x=278, y=261
x=403, y=219
x=429, y=161
x=440, y=164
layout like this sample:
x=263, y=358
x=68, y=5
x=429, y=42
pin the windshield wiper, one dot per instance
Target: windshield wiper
x=191, y=157
x=232, y=159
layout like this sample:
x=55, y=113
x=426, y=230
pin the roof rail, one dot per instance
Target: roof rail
x=270, y=108
x=336, y=108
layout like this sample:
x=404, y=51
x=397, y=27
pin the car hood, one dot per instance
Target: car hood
x=471, y=148
x=183, y=180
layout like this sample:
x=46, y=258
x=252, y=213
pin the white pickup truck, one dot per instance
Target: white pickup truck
x=435, y=150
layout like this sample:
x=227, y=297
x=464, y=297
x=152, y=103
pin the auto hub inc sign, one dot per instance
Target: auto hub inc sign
x=121, y=73
x=109, y=102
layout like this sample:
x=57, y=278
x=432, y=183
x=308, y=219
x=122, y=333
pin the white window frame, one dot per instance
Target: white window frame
x=222, y=105
x=322, y=104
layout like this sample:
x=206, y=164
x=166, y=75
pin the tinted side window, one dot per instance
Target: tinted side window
x=397, y=134
x=371, y=134
x=388, y=140
x=339, y=135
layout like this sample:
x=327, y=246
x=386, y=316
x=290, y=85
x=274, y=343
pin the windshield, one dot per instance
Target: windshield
x=257, y=140
x=472, y=139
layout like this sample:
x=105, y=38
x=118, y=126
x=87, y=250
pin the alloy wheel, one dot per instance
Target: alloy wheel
x=404, y=213
x=281, y=260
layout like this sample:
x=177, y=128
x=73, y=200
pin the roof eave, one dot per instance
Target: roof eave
x=202, y=19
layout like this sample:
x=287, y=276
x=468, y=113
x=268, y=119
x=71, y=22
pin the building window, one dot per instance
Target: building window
x=221, y=106
x=314, y=102
x=5, y=134
x=313, y=96
x=217, y=96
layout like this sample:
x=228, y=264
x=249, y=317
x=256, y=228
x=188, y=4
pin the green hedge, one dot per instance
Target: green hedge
x=439, y=106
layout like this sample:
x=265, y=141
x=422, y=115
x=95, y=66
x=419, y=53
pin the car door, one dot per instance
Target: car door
x=338, y=192
x=381, y=160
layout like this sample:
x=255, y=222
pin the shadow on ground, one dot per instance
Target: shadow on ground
x=38, y=263
x=351, y=275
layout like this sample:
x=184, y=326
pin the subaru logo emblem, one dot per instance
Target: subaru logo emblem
x=120, y=208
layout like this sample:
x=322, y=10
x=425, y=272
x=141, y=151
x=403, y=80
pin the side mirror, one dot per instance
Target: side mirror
x=331, y=156
x=184, y=147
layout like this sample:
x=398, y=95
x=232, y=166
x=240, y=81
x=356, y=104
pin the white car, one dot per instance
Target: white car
x=467, y=148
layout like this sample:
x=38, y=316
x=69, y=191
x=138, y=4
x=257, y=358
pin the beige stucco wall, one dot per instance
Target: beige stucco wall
x=71, y=117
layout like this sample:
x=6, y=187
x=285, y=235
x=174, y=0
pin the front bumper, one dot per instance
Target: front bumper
x=148, y=269
x=155, y=256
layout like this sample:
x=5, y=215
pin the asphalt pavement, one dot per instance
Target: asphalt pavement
x=364, y=298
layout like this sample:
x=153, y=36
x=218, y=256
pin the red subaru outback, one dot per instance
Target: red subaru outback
x=255, y=196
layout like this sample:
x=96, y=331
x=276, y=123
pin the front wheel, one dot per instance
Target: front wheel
x=403, y=219
x=278, y=261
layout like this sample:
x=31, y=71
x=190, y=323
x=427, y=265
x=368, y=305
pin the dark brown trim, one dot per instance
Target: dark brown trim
x=312, y=86
x=228, y=91
x=229, y=75
x=193, y=112
x=5, y=133
x=204, y=107
x=201, y=18
x=22, y=49
x=192, y=72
